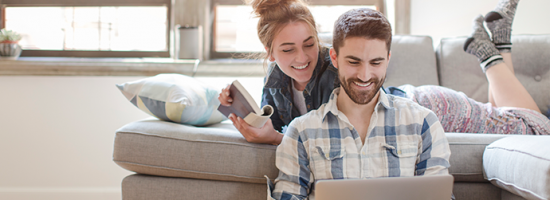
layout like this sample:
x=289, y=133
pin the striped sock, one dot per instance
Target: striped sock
x=499, y=21
x=479, y=45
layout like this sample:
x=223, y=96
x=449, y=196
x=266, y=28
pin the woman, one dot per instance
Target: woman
x=511, y=110
x=300, y=77
x=287, y=31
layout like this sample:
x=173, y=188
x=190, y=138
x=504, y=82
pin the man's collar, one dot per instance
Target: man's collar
x=383, y=99
x=332, y=105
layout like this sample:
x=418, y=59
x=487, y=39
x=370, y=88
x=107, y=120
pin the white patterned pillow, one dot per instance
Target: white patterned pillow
x=175, y=97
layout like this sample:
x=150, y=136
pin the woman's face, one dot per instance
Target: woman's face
x=296, y=52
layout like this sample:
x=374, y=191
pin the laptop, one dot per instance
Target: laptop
x=438, y=187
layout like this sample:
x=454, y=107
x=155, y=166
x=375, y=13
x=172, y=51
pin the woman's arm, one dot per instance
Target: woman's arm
x=264, y=135
x=267, y=99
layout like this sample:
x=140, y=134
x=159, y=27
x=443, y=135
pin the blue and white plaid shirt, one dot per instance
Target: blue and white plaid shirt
x=404, y=139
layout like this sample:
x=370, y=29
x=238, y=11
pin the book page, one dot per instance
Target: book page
x=246, y=96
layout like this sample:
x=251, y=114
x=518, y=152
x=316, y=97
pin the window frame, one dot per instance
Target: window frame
x=87, y=3
x=380, y=5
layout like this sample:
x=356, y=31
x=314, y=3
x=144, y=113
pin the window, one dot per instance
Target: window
x=145, y=28
x=235, y=26
x=99, y=28
x=236, y=29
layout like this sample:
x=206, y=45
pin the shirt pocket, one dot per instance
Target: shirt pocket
x=403, y=156
x=327, y=163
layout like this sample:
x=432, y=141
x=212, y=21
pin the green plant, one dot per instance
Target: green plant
x=7, y=35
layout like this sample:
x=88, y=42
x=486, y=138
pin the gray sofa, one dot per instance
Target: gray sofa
x=174, y=161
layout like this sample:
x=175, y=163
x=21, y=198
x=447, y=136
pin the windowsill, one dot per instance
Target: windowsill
x=56, y=66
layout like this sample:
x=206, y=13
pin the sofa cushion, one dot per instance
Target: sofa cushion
x=466, y=155
x=481, y=191
x=520, y=164
x=412, y=61
x=217, y=152
x=531, y=59
x=142, y=187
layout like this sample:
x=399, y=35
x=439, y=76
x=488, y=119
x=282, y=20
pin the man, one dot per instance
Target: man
x=362, y=132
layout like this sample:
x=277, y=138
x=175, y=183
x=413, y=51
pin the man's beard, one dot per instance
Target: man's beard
x=361, y=97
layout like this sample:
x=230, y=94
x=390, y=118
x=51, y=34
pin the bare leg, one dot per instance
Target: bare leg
x=508, y=60
x=506, y=89
x=499, y=22
x=491, y=98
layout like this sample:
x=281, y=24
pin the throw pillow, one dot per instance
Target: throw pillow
x=175, y=97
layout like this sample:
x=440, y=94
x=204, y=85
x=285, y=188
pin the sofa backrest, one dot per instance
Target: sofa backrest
x=412, y=60
x=530, y=56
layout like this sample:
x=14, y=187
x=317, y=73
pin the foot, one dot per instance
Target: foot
x=479, y=44
x=499, y=21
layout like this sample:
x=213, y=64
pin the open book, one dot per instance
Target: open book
x=244, y=106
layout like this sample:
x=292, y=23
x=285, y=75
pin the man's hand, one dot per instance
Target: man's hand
x=264, y=135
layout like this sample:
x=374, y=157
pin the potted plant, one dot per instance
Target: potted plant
x=9, y=47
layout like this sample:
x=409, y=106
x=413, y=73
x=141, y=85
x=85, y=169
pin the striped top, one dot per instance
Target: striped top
x=403, y=139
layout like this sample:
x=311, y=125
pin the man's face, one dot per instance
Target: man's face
x=362, y=65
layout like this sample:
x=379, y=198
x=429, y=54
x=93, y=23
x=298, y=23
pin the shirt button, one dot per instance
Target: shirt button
x=308, y=106
x=538, y=78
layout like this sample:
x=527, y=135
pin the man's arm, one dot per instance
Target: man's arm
x=295, y=179
x=435, y=151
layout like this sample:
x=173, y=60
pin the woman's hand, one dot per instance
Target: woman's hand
x=264, y=135
x=224, y=97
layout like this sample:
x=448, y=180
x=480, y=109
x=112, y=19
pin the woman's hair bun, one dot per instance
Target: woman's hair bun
x=262, y=7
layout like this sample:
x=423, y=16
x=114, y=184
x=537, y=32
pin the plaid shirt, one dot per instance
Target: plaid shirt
x=404, y=139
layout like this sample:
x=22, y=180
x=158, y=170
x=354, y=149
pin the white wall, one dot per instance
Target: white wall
x=57, y=135
x=450, y=18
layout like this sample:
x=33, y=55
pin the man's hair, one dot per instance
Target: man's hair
x=363, y=22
